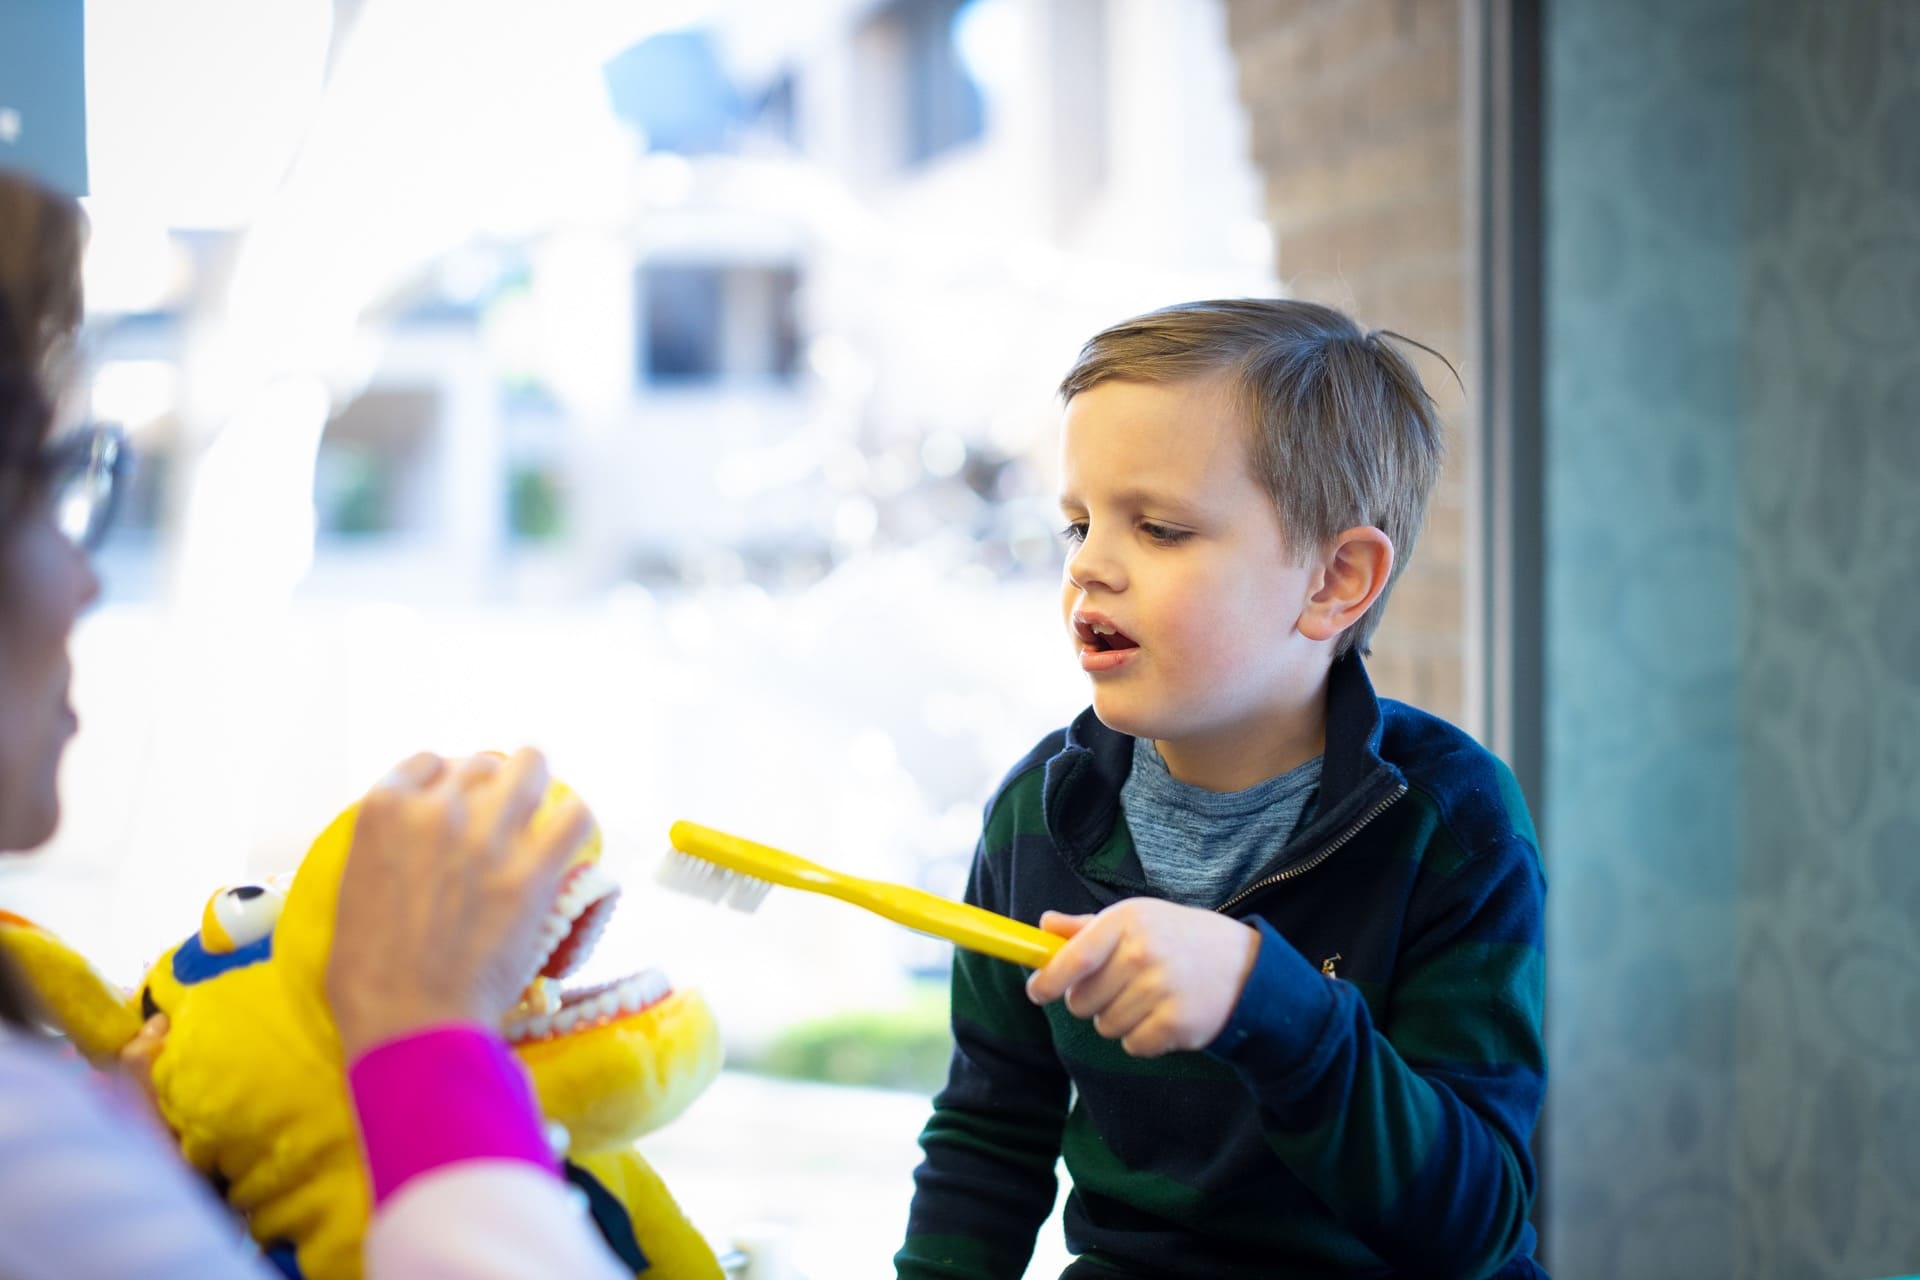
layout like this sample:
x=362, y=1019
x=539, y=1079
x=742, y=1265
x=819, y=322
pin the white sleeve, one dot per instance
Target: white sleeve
x=486, y=1220
x=90, y=1193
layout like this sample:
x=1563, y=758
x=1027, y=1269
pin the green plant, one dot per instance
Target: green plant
x=535, y=505
x=903, y=1048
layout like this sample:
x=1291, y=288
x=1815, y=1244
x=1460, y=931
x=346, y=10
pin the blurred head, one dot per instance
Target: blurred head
x=1339, y=431
x=45, y=579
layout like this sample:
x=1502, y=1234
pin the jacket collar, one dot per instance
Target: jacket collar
x=1082, y=782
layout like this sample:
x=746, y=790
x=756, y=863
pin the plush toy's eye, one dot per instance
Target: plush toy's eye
x=236, y=917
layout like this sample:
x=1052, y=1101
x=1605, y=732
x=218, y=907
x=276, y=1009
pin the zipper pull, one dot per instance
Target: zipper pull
x=1326, y=966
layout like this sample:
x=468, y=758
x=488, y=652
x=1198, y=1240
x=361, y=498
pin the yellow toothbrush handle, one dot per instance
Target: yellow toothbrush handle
x=971, y=927
x=974, y=928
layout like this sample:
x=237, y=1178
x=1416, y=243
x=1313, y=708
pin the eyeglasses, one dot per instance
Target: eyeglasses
x=85, y=473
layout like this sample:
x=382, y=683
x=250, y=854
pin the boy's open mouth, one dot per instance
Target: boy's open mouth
x=1097, y=633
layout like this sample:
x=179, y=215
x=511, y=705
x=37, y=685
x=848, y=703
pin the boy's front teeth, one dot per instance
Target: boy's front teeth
x=1102, y=629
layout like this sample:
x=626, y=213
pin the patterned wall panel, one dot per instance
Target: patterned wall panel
x=1646, y=192
x=1828, y=1026
x=1733, y=203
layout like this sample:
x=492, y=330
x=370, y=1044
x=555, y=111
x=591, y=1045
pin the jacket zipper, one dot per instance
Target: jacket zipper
x=1301, y=868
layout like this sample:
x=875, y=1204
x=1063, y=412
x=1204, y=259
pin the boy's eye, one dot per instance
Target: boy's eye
x=1075, y=532
x=1164, y=534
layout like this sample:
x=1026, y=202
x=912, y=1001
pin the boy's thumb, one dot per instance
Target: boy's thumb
x=1062, y=924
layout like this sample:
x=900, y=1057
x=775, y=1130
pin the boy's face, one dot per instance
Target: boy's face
x=1180, y=594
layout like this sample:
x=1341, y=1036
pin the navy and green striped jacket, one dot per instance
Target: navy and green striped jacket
x=1374, y=1124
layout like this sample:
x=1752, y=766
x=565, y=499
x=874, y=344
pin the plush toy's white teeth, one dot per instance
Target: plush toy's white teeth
x=584, y=886
x=583, y=889
x=594, y=1006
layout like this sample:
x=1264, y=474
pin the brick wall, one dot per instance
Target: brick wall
x=1356, y=108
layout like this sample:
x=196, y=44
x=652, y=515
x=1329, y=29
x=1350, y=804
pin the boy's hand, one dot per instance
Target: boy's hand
x=1154, y=975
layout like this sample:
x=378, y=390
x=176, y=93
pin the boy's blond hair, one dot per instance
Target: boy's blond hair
x=1345, y=433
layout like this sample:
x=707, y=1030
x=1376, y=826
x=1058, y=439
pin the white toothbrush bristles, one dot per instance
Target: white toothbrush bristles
x=696, y=876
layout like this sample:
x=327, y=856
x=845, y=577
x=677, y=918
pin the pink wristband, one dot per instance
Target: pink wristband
x=439, y=1097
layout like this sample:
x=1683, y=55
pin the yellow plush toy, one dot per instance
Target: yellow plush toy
x=251, y=1077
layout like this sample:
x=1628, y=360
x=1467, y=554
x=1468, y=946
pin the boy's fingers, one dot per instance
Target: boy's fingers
x=1120, y=1011
x=1149, y=1039
x=1061, y=923
x=1119, y=1019
x=1097, y=993
x=1083, y=953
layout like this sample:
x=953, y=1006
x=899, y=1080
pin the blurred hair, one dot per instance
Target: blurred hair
x=41, y=233
x=40, y=306
x=1343, y=433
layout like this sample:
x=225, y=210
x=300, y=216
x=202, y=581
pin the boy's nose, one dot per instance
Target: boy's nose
x=1090, y=566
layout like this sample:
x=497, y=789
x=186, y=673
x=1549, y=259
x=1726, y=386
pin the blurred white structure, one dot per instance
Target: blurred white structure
x=702, y=439
x=753, y=358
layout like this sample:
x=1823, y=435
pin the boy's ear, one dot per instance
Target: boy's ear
x=1354, y=572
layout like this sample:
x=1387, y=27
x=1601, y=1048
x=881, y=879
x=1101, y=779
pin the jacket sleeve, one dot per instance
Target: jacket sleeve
x=987, y=1182
x=1415, y=1133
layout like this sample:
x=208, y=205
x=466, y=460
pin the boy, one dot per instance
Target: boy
x=1335, y=900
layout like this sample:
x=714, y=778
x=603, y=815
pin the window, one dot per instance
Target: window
x=372, y=459
x=914, y=61
x=774, y=113
x=705, y=323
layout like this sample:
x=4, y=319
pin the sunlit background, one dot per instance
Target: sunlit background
x=668, y=386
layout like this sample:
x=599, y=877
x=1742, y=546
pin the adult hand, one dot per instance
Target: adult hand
x=137, y=1058
x=445, y=890
x=1154, y=975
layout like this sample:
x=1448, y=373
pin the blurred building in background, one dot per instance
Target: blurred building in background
x=817, y=308
x=712, y=323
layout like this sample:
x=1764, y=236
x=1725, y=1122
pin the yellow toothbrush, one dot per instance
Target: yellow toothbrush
x=725, y=868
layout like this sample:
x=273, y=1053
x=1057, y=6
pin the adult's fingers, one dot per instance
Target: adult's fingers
x=477, y=770
x=138, y=1055
x=539, y=865
x=147, y=1042
x=558, y=839
x=1082, y=954
x=416, y=772
x=517, y=790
